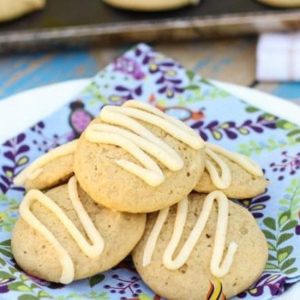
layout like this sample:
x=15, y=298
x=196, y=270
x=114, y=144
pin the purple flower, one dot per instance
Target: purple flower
x=129, y=67
x=275, y=283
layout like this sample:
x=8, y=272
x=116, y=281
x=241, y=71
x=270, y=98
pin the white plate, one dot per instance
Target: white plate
x=24, y=109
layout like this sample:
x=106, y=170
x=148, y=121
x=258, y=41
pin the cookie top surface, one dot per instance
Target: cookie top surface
x=50, y=169
x=36, y=255
x=246, y=180
x=109, y=183
x=193, y=279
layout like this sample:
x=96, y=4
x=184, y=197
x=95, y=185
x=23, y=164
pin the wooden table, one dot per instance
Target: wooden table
x=231, y=60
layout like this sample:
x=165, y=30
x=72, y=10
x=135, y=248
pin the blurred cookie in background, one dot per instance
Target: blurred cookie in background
x=281, y=3
x=153, y=5
x=12, y=9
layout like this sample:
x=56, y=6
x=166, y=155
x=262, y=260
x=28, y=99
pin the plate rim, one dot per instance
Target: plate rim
x=272, y=104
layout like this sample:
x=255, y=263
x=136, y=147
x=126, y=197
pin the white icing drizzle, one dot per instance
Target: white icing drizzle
x=36, y=168
x=223, y=180
x=91, y=250
x=151, y=242
x=217, y=267
x=119, y=126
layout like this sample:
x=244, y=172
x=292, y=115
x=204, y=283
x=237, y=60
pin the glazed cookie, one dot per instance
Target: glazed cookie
x=135, y=158
x=49, y=170
x=235, y=174
x=153, y=5
x=196, y=244
x=63, y=235
x=281, y=3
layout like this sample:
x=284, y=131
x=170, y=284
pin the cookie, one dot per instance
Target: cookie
x=153, y=5
x=64, y=235
x=281, y=3
x=235, y=174
x=10, y=10
x=197, y=244
x=135, y=158
x=49, y=170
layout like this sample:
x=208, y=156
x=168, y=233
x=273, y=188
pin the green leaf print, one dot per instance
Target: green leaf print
x=271, y=257
x=291, y=271
x=289, y=225
x=8, y=213
x=145, y=297
x=19, y=286
x=294, y=132
x=43, y=294
x=95, y=96
x=277, y=233
x=192, y=87
x=28, y=297
x=251, y=109
x=252, y=147
x=269, y=235
x=270, y=223
x=190, y=75
x=271, y=246
x=96, y=279
x=288, y=263
x=284, y=217
x=21, y=282
x=283, y=253
x=285, y=125
x=291, y=202
x=6, y=243
x=5, y=248
x=4, y=275
x=284, y=237
x=91, y=295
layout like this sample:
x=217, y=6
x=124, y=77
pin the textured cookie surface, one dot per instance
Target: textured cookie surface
x=53, y=173
x=116, y=188
x=244, y=185
x=120, y=232
x=192, y=280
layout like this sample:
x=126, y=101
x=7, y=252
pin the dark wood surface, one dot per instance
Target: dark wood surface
x=77, y=21
x=64, y=13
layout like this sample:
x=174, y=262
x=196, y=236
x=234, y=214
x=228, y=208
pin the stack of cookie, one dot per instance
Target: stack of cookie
x=86, y=205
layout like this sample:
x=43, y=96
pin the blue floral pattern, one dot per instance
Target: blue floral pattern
x=217, y=116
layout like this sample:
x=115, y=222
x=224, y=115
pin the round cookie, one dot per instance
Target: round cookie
x=193, y=280
x=116, y=188
x=34, y=253
x=281, y=3
x=243, y=185
x=153, y=5
x=50, y=169
x=14, y=9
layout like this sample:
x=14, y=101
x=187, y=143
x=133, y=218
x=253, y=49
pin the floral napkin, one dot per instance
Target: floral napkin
x=217, y=116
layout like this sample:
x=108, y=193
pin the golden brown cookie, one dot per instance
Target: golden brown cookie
x=50, y=169
x=97, y=168
x=12, y=9
x=193, y=280
x=281, y=3
x=36, y=255
x=153, y=5
x=236, y=175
